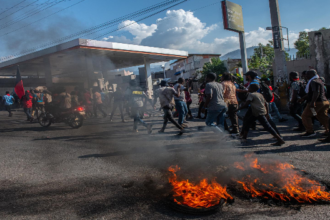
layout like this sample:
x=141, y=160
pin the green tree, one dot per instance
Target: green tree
x=215, y=66
x=263, y=59
x=302, y=44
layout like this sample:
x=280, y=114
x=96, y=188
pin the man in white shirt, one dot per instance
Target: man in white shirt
x=166, y=94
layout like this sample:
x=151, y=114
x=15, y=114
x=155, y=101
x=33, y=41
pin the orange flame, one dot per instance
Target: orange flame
x=200, y=195
x=289, y=184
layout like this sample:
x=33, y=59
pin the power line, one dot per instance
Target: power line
x=42, y=18
x=12, y=7
x=101, y=26
x=18, y=10
x=31, y=14
x=45, y=3
x=22, y=15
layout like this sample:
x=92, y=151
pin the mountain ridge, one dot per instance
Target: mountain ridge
x=236, y=54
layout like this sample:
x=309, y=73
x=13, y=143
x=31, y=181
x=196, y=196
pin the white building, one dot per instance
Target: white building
x=190, y=66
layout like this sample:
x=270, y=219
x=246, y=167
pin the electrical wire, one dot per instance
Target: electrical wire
x=8, y=8
x=118, y=20
x=42, y=18
x=31, y=14
x=22, y=15
x=17, y=10
x=15, y=6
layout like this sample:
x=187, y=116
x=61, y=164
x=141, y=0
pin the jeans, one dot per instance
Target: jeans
x=273, y=107
x=232, y=114
x=216, y=116
x=100, y=108
x=28, y=112
x=168, y=116
x=269, y=125
x=8, y=108
x=117, y=104
x=182, y=109
x=246, y=120
x=296, y=110
x=137, y=119
x=322, y=115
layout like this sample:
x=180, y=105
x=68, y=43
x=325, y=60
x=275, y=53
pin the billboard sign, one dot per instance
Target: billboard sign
x=232, y=16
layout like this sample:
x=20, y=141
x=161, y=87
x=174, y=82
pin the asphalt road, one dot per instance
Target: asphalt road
x=104, y=171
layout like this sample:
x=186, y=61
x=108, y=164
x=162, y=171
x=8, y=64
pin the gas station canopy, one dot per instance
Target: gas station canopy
x=83, y=58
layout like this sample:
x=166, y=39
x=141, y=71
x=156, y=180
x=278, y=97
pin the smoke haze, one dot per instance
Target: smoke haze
x=46, y=30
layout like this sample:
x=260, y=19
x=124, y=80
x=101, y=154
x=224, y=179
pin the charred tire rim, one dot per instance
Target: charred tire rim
x=76, y=121
x=44, y=121
x=193, y=211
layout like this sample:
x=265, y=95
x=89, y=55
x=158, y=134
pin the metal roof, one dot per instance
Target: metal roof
x=70, y=58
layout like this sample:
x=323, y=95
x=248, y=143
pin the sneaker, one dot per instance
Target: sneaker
x=123, y=121
x=135, y=130
x=326, y=140
x=184, y=126
x=182, y=131
x=149, y=127
x=283, y=120
x=233, y=132
x=161, y=131
x=279, y=143
x=308, y=135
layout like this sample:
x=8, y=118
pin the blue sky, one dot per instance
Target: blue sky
x=200, y=31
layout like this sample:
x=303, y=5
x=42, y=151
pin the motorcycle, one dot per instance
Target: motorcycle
x=73, y=117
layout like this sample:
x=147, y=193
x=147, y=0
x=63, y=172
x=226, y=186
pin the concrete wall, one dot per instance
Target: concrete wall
x=299, y=65
x=319, y=44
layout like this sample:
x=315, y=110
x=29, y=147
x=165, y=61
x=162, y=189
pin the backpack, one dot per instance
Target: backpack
x=266, y=92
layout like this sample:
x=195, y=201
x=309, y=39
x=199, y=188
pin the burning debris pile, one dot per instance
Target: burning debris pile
x=202, y=195
x=279, y=181
x=264, y=181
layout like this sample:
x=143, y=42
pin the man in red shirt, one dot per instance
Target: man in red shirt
x=272, y=104
x=27, y=104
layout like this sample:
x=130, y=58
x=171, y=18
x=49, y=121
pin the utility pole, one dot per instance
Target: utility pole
x=243, y=52
x=280, y=73
x=281, y=78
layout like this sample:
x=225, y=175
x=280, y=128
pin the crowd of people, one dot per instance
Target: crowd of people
x=218, y=100
x=308, y=102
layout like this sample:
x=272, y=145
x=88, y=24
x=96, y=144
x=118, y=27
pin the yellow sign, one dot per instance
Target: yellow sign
x=232, y=16
x=137, y=93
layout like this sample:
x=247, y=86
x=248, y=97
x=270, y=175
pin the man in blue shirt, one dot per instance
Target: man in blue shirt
x=9, y=101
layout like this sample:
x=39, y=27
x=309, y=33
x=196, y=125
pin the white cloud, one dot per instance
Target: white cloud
x=182, y=30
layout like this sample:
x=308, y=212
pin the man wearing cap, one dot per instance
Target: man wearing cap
x=166, y=95
x=295, y=107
